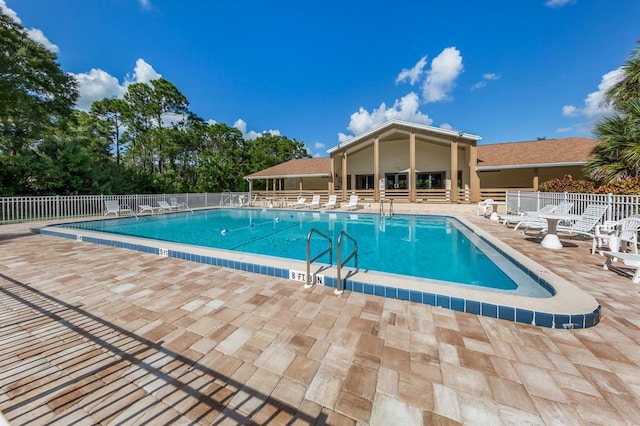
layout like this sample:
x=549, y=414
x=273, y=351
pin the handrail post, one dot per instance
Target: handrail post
x=309, y=283
x=339, y=288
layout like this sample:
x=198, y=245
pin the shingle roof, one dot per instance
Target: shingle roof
x=302, y=167
x=540, y=153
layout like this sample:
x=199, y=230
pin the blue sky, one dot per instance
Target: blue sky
x=322, y=71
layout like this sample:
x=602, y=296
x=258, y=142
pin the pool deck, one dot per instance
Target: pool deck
x=100, y=335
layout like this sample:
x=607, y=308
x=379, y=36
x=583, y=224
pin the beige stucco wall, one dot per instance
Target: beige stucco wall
x=394, y=157
x=523, y=178
x=308, y=184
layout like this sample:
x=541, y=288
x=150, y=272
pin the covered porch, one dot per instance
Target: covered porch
x=407, y=162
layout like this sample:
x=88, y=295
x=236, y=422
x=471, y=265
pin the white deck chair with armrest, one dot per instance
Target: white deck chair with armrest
x=331, y=203
x=353, y=203
x=315, y=202
x=585, y=225
x=623, y=231
x=535, y=222
x=629, y=260
x=175, y=204
x=146, y=208
x=300, y=203
x=163, y=205
x=485, y=206
x=113, y=206
x=506, y=219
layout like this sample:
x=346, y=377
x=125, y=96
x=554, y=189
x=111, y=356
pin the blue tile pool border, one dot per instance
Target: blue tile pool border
x=507, y=313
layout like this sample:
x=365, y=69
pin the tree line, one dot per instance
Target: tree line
x=147, y=141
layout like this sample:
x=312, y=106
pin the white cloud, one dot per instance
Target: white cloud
x=558, y=3
x=98, y=84
x=404, y=109
x=485, y=77
x=318, y=145
x=144, y=73
x=241, y=125
x=146, y=4
x=9, y=12
x=38, y=36
x=413, y=74
x=595, y=106
x=33, y=33
x=446, y=126
x=445, y=69
x=569, y=111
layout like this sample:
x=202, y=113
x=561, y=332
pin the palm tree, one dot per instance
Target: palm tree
x=617, y=156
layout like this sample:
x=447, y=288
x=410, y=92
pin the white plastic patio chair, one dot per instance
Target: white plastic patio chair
x=585, y=224
x=113, y=206
x=315, y=202
x=300, y=203
x=624, y=232
x=485, y=206
x=535, y=222
x=353, y=203
x=146, y=208
x=331, y=203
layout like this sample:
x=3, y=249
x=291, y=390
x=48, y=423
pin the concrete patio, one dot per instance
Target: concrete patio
x=98, y=335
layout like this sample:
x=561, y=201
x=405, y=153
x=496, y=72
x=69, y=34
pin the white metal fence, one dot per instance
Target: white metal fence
x=618, y=206
x=23, y=209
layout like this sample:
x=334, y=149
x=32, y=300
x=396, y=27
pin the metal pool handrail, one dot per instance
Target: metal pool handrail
x=309, y=282
x=339, y=286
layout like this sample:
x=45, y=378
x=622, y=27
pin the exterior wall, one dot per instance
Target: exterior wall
x=308, y=184
x=523, y=178
x=394, y=157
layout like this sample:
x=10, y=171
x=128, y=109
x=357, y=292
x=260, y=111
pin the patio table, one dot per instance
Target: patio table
x=551, y=240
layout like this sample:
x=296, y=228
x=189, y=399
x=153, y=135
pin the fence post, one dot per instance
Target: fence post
x=609, y=206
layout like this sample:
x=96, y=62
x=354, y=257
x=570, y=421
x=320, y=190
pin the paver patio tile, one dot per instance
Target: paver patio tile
x=324, y=389
x=511, y=393
x=431, y=365
x=302, y=370
x=275, y=359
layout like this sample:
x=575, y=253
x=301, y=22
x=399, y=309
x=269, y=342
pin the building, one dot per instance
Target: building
x=419, y=163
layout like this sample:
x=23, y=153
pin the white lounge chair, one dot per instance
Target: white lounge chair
x=624, y=232
x=113, y=206
x=353, y=203
x=630, y=260
x=507, y=219
x=315, y=202
x=302, y=201
x=163, y=205
x=173, y=201
x=535, y=222
x=586, y=223
x=331, y=204
x=485, y=206
x=146, y=208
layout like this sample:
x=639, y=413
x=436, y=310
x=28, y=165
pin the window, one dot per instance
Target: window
x=430, y=180
x=364, y=182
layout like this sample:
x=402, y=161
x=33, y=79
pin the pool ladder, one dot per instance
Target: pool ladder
x=309, y=279
x=387, y=213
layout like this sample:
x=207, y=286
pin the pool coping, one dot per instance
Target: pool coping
x=568, y=308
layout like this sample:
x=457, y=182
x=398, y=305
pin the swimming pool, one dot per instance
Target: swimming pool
x=435, y=260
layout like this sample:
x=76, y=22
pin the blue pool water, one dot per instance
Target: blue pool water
x=432, y=247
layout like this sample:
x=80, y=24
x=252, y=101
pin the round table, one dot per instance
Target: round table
x=551, y=240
